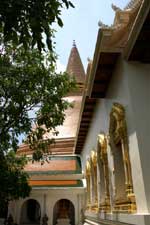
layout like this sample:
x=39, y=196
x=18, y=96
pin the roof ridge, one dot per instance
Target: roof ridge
x=131, y=4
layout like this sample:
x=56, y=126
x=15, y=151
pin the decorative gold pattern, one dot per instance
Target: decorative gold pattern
x=88, y=180
x=118, y=134
x=94, y=176
x=103, y=160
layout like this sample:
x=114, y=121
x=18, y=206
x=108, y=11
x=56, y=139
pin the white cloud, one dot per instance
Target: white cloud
x=60, y=67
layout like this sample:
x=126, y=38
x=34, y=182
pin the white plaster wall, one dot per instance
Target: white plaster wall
x=19, y=203
x=139, y=88
x=54, y=196
x=51, y=197
x=117, y=92
x=122, y=89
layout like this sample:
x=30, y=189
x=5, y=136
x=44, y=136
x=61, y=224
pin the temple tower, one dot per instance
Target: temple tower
x=65, y=140
x=75, y=67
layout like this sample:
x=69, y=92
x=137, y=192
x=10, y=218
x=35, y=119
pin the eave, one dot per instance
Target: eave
x=100, y=79
x=84, y=122
x=97, y=82
x=138, y=46
x=103, y=64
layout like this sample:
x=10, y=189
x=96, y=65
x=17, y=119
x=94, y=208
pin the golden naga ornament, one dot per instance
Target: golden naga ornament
x=93, y=159
x=104, y=204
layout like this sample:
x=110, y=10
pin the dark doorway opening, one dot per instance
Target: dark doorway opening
x=31, y=212
x=64, y=209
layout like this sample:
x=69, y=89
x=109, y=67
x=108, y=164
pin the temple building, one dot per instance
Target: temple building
x=57, y=186
x=105, y=138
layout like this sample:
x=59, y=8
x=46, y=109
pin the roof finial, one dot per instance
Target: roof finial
x=115, y=8
x=74, y=43
x=88, y=59
x=102, y=25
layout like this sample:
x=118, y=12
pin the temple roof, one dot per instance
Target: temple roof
x=75, y=66
x=56, y=171
x=55, y=165
x=38, y=184
x=131, y=4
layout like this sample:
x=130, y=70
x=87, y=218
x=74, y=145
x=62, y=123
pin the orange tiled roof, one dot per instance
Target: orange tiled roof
x=51, y=182
x=54, y=165
x=55, y=183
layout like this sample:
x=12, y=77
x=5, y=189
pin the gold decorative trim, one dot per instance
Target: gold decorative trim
x=118, y=134
x=125, y=206
x=88, y=181
x=93, y=158
x=103, y=159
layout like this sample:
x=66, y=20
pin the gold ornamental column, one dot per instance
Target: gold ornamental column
x=105, y=206
x=94, y=174
x=88, y=182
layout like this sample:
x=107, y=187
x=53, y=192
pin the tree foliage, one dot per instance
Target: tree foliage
x=25, y=21
x=13, y=179
x=29, y=80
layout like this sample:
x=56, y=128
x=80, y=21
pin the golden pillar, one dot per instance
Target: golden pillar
x=94, y=176
x=88, y=181
x=102, y=152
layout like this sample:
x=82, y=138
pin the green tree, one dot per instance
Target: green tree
x=28, y=81
x=25, y=21
x=13, y=180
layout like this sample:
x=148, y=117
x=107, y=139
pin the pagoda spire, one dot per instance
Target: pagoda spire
x=75, y=66
x=74, y=43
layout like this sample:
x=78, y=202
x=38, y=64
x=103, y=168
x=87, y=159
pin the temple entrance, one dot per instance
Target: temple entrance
x=64, y=213
x=30, y=212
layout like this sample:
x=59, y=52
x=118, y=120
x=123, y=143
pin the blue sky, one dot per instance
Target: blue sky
x=81, y=25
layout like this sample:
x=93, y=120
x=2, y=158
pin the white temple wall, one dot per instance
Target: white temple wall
x=55, y=195
x=117, y=92
x=16, y=209
x=47, y=200
x=131, y=89
x=139, y=88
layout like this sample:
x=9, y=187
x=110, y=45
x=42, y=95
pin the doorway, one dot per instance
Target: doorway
x=64, y=209
x=30, y=212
